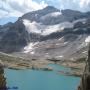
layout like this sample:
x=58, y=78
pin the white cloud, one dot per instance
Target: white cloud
x=19, y=7
x=82, y=5
x=2, y=13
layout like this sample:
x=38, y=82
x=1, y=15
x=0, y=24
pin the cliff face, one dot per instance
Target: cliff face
x=85, y=81
x=2, y=78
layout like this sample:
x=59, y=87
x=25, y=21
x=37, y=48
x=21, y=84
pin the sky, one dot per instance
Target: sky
x=16, y=8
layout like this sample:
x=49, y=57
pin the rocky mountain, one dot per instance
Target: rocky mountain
x=13, y=37
x=50, y=32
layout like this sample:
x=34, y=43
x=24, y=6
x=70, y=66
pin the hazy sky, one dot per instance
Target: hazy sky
x=16, y=8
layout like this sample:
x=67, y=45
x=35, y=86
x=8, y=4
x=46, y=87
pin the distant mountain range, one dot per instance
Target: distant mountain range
x=47, y=33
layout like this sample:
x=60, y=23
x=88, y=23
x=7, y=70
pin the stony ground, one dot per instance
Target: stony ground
x=13, y=62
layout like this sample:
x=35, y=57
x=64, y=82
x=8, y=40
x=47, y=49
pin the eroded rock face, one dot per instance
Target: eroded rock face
x=13, y=37
x=85, y=81
x=2, y=78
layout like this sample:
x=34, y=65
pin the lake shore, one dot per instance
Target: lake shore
x=77, y=68
x=17, y=63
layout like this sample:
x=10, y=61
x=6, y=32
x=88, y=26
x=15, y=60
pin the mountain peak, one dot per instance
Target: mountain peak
x=51, y=8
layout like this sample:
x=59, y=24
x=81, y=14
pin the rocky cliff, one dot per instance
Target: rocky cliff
x=85, y=81
x=2, y=78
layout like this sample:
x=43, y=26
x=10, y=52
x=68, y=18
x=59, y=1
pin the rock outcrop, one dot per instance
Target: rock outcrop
x=85, y=81
x=2, y=78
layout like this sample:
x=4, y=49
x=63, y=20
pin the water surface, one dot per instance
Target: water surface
x=41, y=80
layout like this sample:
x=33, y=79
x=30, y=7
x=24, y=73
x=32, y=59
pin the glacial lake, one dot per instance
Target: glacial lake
x=41, y=80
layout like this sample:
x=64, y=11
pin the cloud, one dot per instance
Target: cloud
x=81, y=5
x=3, y=13
x=19, y=7
x=16, y=8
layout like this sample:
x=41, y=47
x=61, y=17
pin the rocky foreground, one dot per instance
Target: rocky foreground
x=85, y=80
x=14, y=62
x=2, y=78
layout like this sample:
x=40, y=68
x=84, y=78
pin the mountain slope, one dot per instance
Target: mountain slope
x=49, y=32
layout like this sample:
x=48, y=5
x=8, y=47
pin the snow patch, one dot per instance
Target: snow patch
x=65, y=43
x=61, y=38
x=31, y=26
x=80, y=20
x=32, y=52
x=38, y=28
x=87, y=40
x=30, y=48
x=58, y=44
x=56, y=28
x=47, y=53
x=55, y=14
x=60, y=56
x=84, y=52
x=51, y=29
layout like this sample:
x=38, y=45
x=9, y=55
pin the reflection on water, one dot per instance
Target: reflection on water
x=2, y=79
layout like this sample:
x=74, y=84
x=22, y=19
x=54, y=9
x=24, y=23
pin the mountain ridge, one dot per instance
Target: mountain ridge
x=49, y=32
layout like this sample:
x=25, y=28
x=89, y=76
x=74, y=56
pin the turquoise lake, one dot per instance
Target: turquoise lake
x=41, y=80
